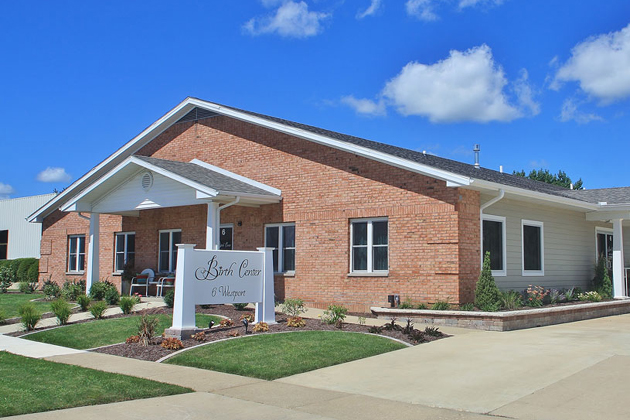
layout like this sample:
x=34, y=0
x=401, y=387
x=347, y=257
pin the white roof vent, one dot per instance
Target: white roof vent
x=147, y=181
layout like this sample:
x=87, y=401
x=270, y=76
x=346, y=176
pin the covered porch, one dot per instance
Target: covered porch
x=143, y=188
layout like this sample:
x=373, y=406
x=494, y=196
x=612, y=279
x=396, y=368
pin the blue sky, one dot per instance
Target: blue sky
x=538, y=84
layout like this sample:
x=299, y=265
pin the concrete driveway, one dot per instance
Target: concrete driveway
x=579, y=370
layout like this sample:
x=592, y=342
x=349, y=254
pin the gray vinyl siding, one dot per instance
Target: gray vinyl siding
x=569, y=245
x=24, y=237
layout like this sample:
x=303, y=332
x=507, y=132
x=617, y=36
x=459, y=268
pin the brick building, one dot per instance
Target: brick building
x=352, y=221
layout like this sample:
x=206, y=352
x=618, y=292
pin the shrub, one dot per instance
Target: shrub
x=606, y=290
x=239, y=306
x=487, y=294
x=296, y=322
x=71, y=289
x=132, y=339
x=14, y=266
x=467, y=306
x=99, y=290
x=433, y=331
x=169, y=298
x=30, y=315
x=535, y=296
x=248, y=317
x=600, y=271
x=293, y=307
x=84, y=302
x=51, y=290
x=362, y=320
x=233, y=333
x=26, y=287
x=32, y=274
x=406, y=304
x=146, y=328
x=137, y=297
x=112, y=297
x=6, y=278
x=570, y=295
x=226, y=322
x=200, y=336
x=590, y=296
x=172, y=344
x=511, y=300
x=62, y=310
x=261, y=327
x=421, y=306
x=375, y=330
x=97, y=309
x=334, y=315
x=441, y=305
x=22, y=267
x=126, y=304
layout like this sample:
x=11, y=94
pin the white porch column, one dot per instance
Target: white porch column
x=212, y=226
x=92, y=257
x=618, y=261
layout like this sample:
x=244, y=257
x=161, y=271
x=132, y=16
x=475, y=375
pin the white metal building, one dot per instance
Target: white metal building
x=18, y=237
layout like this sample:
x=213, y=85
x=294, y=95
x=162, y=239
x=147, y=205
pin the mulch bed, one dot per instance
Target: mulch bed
x=154, y=351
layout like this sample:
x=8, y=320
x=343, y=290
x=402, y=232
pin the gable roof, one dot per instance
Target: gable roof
x=454, y=173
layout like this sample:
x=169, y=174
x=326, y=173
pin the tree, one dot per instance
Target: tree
x=543, y=175
x=487, y=294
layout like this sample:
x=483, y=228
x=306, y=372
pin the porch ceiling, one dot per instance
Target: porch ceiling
x=142, y=182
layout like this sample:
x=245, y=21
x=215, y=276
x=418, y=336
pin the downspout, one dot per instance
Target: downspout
x=481, y=209
x=218, y=219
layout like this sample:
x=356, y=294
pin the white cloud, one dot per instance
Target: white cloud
x=466, y=86
x=51, y=174
x=292, y=19
x=365, y=106
x=600, y=65
x=372, y=9
x=539, y=164
x=470, y=3
x=525, y=94
x=570, y=112
x=5, y=191
x=422, y=9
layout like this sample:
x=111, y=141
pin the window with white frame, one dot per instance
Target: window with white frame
x=125, y=251
x=76, y=253
x=533, y=248
x=493, y=241
x=369, y=246
x=4, y=244
x=281, y=237
x=167, y=259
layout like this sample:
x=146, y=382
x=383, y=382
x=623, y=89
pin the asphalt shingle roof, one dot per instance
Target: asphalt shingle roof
x=207, y=177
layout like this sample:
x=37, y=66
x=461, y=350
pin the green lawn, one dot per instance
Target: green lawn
x=106, y=331
x=34, y=385
x=9, y=303
x=273, y=356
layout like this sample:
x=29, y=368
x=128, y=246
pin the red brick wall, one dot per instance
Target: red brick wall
x=433, y=230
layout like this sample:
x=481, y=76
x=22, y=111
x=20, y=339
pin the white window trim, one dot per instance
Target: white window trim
x=171, y=247
x=533, y=273
x=125, y=251
x=230, y=226
x=77, y=255
x=280, y=246
x=370, y=237
x=492, y=218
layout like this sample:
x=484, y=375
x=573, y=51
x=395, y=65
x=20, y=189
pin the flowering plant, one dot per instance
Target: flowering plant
x=535, y=296
x=590, y=296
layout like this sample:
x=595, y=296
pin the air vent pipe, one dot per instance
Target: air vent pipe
x=476, y=149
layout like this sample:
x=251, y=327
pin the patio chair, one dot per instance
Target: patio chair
x=166, y=281
x=142, y=280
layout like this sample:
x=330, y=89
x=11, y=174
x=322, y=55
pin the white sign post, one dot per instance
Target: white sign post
x=220, y=277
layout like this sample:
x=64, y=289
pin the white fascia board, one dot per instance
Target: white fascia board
x=604, y=216
x=126, y=150
x=267, y=198
x=533, y=194
x=238, y=177
x=453, y=179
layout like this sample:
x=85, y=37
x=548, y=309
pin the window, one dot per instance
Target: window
x=493, y=237
x=226, y=237
x=168, y=251
x=281, y=237
x=533, y=248
x=76, y=253
x=125, y=250
x=4, y=244
x=369, y=246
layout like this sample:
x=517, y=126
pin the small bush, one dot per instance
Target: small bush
x=99, y=290
x=441, y=305
x=23, y=266
x=421, y=306
x=32, y=275
x=30, y=315
x=467, y=307
x=51, y=290
x=248, y=317
x=226, y=322
x=62, y=310
x=84, y=302
x=296, y=322
x=406, y=304
x=362, y=320
x=172, y=344
x=511, y=300
x=335, y=315
x=146, y=328
x=239, y=306
x=126, y=304
x=590, y=297
x=200, y=336
x=375, y=330
x=97, y=309
x=293, y=307
x=570, y=295
x=71, y=290
x=601, y=270
x=112, y=297
x=26, y=287
x=606, y=289
x=535, y=295
x=233, y=333
x=433, y=331
x=261, y=327
x=169, y=298
x=487, y=294
x=555, y=296
x=132, y=339
x=6, y=278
